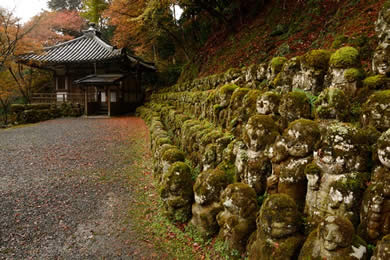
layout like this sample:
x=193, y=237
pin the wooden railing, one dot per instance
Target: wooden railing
x=59, y=98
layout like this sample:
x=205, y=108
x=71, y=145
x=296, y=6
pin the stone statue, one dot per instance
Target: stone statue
x=207, y=190
x=375, y=209
x=334, y=238
x=238, y=219
x=259, y=133
x=382, y=249
x=176, y=192
x=277, y=236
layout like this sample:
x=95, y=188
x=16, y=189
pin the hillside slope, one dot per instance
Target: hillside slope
x=291, y=31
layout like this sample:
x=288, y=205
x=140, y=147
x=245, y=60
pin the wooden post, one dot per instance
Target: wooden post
x=109, y=101
x=86, y=101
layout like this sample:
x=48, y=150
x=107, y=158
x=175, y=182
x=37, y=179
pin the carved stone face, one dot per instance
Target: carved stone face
x=268, y=103
x=384, y=149
x=301, y=137
x=259, y=132
x=336, y=232
x=338, y=152
x=380, y=61
x=313, y=181
x=278, y=216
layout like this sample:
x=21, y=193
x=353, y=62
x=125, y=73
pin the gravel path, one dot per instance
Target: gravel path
x=59, y=195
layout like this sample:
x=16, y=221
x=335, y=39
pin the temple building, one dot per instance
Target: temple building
x=88, y=70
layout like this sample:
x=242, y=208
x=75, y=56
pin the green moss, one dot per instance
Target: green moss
x=312, y=169
x=318, y=59
x=217, y=108
x=354, y=74
x=163, y=140
x=375, y=82
x=277, y=64
x=239, y=93
x=299, y=97
x=230, y=171
x=228, y=88
x=278, y=80
x=173, y=155
x=345, y=57
x=356, y=182
x=381, y=97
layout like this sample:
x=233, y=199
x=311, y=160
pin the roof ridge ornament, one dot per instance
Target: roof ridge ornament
x=92, y=30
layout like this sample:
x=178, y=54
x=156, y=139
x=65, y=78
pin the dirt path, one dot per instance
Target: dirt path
x=64, y=193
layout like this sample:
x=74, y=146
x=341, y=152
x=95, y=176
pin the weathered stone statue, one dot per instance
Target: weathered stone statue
x=277, y=236
x=176, y=192
x=294, y=105
x=207, y=190
x=300, y=139
x=283, y=82
x=375, y=209
x=334, y=238
x=380, y=61
x=382, y=249
x=259, y=133
x=268, y=104
x=223, y=100
x=343, y=156
x=238, y=219
x=376, y=111
x=314, y=66
x=234, y=120
x=332, y=104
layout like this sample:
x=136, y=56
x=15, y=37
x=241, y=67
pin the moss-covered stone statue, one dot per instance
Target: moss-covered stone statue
x=376, y=111
x=176, y=192
x=375, y=209
x=277, y=236
x=268, y=104
x=284, y=80
x=380, y=60
x=223, y=100
x=340, y=164
x=260, y=132
x=294, y=105
x=314, y=66
x=238, y=219
x=382, y=249
x=334, y=239
x=207, y=190
x=345, y=71
x=300, y=140
x=274, y=67
x=234, y=120
x=332, y=103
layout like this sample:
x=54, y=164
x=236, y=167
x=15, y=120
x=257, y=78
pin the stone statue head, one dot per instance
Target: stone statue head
x=268, y=103
x=259, y=132
x=336, y=232
x=279, y=216
x=384, y=148
x=301, y=137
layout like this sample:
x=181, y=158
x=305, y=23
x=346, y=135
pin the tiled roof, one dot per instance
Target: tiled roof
x=87, y=48
x=100, y=79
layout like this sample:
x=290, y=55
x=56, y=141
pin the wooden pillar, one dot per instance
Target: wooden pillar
x=86, y=101
x=109, y=101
